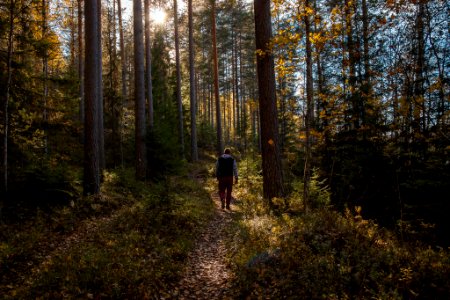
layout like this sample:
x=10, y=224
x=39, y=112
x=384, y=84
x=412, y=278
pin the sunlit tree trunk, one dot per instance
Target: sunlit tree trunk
x=178, y=87
x=271, y=161
x=148, y=64
x=194, y=150
x=216, y=78
x=139, y=92
x=92, y=95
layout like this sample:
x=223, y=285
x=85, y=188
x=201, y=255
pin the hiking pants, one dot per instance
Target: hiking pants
x=225, y=183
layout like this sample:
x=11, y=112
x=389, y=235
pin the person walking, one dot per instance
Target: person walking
x=226, y=169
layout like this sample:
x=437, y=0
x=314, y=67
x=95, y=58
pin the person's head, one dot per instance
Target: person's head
x=227, y=151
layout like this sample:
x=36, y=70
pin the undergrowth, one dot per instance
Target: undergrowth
x=324, y=254
x=129, y=243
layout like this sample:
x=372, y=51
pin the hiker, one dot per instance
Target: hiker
x=226, y=169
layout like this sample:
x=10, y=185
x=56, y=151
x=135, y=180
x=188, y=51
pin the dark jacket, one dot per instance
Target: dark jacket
x=226, y=166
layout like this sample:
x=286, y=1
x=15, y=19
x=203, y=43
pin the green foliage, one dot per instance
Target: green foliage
x=206, y=135
x=319, y=194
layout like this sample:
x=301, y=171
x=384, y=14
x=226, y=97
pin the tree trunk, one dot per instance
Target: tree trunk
x=178, y=87
x=7, y=96
x=148, y=63
x=124, y=77
x=122, y=53
x=216, y=79
x=45, y=76
x=419, y=91
x=309, y=109
x=101, y=129
x=271, y=161
x=194, y=151
x=352, y=58
x=139, y=81
x=366, y=86
x=91, y=127
x=80, y=60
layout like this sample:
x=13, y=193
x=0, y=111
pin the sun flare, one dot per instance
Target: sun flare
x=158, y=15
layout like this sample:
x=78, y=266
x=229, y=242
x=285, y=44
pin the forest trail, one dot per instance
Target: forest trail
x=207, y=275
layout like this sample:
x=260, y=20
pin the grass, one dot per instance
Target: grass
x=130, y=243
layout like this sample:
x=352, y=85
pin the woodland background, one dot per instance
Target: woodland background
x=361, y=105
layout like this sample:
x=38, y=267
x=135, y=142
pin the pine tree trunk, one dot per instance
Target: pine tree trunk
x=91, y=127
x=7, y=96
x=45, y=76
x=309, y=111
x=178, y=87
x=148, y=64
x=139, y=81
x=124, y=78
x=101, y=129
x=81, y=61
x=271, y=161
x=194, y=151
x=419, y=93
x=352, y=57
x=216, y=79
x=122, y=53
x=366, y=86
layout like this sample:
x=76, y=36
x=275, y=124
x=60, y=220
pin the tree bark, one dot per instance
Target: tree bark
x=7, y=96
x=271, y=161
x=124, y=77
x=216, y=79
x=309, y=109
x=91, y=127
x=45, y=76
x=80, y=60
x=194, y=150
x=139, y=92
x=122, y=52
x=178, y=87
x=148, y=64
x=101, y=129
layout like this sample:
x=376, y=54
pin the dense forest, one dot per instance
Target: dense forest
x=337, y=111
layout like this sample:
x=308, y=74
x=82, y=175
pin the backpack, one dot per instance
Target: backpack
x=225, y=166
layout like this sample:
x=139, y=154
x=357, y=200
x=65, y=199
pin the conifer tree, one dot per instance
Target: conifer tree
x=139, y=91
x=271, y=160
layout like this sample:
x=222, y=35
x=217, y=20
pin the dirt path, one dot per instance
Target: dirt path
x=207, y=275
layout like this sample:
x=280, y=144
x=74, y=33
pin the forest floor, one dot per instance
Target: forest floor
x=154, y=250
x=207, y=274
